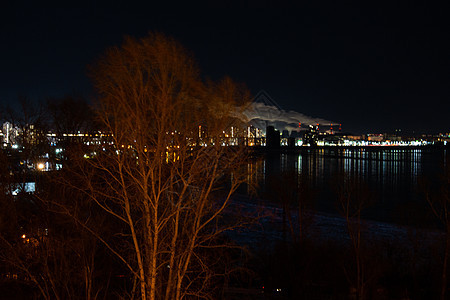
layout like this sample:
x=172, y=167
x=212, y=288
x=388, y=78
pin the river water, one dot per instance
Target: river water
x=393, y=178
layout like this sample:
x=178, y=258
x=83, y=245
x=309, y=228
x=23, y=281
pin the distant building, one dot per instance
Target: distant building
x=273, y=138
x=10, y=133
x=375, y=137
x=311, y=137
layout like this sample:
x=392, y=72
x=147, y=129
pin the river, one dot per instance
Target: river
x=393, y=177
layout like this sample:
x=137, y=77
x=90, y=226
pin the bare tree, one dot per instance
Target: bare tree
x=164, y=175
x=70, y=114
x=304, y=199
x=41, y=249
x=23, y=251
x=29, y=119
x=71, y=121
x=353, y=197
x=295, y=202
x=439, y=201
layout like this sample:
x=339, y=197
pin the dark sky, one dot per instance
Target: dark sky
x=371, y=67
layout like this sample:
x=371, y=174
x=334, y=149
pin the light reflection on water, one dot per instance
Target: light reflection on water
x=391, y=174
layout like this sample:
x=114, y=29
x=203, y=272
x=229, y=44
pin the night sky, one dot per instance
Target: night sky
x=371, y=67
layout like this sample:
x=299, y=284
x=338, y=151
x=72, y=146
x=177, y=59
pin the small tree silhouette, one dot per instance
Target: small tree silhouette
x=439, y=201
x=353, y=197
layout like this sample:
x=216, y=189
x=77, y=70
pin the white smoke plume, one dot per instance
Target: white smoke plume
x=262, y=115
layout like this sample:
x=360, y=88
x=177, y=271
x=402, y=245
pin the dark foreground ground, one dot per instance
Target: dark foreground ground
x=398, y=262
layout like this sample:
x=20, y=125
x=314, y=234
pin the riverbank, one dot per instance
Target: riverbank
x=400, y=262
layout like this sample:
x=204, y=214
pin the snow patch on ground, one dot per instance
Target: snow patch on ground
x=320, y=227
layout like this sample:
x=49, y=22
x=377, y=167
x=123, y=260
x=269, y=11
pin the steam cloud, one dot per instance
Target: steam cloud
x=261, y=115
